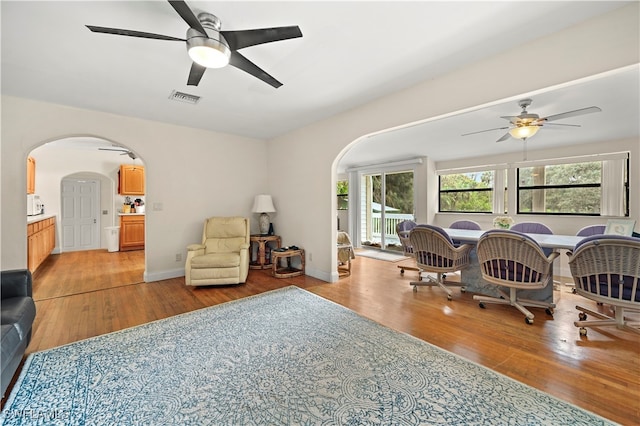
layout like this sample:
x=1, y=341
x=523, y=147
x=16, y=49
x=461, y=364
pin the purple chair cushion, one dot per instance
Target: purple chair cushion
x=591, y=230
x=465, y=224
x=532, y=228
x=432, y=259
x=509, y=269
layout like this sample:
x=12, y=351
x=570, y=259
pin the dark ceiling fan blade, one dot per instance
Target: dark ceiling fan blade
x=196, y=73
x=187, y=14
x=132, y=33
x=482, y=131
x=245, y=38
x=504, y=137
x=574, y=113
x=239, y=61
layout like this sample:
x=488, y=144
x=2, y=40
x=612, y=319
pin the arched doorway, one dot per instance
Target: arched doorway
x=77, y=180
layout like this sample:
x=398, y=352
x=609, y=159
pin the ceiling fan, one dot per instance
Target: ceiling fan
x=123, y=151
x=210, y=47
x=526, y=125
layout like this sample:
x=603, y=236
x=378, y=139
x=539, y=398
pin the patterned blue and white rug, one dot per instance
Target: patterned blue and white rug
x=287, y=357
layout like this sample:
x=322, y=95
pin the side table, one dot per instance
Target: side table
x=286, y=272
x=264, y=259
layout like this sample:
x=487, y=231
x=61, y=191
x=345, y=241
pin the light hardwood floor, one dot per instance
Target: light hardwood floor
x=84, y=294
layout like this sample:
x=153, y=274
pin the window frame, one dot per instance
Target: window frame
x=462, y=190
x=555, y=162
x=614, y=194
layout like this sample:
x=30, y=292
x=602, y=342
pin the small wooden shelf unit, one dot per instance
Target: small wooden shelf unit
x=288, y=271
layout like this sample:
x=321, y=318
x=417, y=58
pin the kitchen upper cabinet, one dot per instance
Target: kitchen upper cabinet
x=31, y=175
x=131, y=180
x=131, y=232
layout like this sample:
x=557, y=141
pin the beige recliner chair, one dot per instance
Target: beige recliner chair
x=223, y=256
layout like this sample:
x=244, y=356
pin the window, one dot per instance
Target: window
x=342, y=191
x=467, y=192
x=574, y=188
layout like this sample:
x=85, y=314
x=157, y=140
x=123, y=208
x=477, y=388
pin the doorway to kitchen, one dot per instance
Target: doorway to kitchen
x=77, y=179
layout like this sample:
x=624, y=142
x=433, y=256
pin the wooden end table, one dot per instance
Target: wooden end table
x=286, y=272
x=263, y=242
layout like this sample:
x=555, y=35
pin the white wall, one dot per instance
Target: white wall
x=192, y=173
x=302, y=164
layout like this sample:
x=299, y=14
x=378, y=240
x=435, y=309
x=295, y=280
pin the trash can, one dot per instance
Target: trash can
x=112, y=234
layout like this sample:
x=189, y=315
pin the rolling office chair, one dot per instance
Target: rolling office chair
x=590, y=230
x=434, y=252
x=514, y=260
x=606, y=269
x=402, y=230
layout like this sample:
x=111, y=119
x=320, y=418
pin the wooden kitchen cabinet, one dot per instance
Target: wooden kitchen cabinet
x=41, y=240
x=131, y=180
x=31, y=175
x=132, y=232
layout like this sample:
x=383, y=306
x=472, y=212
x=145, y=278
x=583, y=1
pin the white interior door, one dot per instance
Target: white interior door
x=80, y=214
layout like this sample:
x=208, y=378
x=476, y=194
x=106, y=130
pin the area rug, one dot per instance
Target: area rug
x=381, y=255
x=286, y=357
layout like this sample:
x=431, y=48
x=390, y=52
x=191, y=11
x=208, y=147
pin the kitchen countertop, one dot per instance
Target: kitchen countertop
x=130, y=214
x=39, y=217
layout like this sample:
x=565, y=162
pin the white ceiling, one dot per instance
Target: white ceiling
x=350, y=53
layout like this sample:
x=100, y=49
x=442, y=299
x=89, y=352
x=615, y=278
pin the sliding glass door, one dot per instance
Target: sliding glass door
x=387, y=199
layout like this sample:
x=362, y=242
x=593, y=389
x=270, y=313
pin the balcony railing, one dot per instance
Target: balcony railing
x=389, y=226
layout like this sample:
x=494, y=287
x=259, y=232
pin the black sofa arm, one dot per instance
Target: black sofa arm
x=16, y=283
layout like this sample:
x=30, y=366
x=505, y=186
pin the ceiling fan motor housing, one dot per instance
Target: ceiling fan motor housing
x=204, y=43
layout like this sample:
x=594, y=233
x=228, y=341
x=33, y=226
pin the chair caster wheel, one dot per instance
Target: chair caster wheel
x=415, y=289
x=482, y=305
x=548, y=311
x=573, y=290
x=583, y=331
x=582, y=316
x=528, y=320
x=449, y=298
x=463, y=290
x=401, y=271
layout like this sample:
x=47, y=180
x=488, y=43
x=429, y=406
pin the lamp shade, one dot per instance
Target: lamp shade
x=523, y=132
x=263, y=204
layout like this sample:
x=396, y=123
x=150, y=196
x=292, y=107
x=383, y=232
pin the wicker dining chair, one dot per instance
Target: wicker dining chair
x=435, y=252
x=590, y=230
x=606, y=269
x=402, y=230
x=514, y=260
x=464, y=224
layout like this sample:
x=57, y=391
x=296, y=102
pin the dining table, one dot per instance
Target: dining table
x=471, y=276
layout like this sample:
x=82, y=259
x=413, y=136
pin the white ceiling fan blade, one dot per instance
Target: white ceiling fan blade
x=504, y=137
x=482, y=131
x=513, y=119
x=561, y=124
x=573, y=113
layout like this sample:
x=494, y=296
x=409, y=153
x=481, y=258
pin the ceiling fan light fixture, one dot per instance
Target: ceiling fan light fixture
x=208, y=52
x=523, y=132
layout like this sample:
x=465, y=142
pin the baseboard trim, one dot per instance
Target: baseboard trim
x=163, y=275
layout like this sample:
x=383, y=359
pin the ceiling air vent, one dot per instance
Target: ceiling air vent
x=184, y=97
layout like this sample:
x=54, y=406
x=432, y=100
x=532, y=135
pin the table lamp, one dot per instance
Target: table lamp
x=263, y=204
